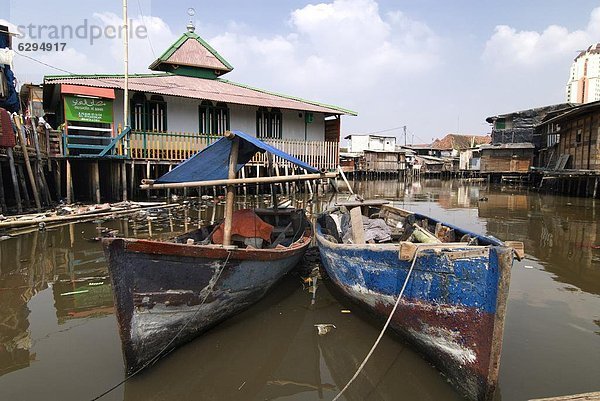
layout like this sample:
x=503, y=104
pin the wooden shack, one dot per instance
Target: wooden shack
x=384, y=162
x=572, y=139
x=507, y=158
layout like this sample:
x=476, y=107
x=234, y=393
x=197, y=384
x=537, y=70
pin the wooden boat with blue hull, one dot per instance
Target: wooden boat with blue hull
x=168, y=293
x=453, y=307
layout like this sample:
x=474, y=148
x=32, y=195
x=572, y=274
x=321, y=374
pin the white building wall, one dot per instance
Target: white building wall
x=578, y=71
x=182, y=116
x=387, y=144
x=359, y=143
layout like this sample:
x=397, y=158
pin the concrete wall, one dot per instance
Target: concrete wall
x=182, y=116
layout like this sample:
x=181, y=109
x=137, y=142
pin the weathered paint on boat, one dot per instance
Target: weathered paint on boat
x=452, y=309
x=167, y=293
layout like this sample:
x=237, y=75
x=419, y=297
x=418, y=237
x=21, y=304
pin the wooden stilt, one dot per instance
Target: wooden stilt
x=36, y=195
x=308, y=184
x=244, y=177
x=287, y=184
x=230, y=197
x=169, y=189
x=123, y=168
x=24, y=189
x=257, y=176
x=2, y=198
x=148, y=177
x=15, y=182
x=132, y=181
x=69, y=182
x=96, y=180
x=595, y=193
x=57, y=180
x=41, y=177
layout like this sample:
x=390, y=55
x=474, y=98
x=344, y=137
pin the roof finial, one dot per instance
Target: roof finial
x=190, y=26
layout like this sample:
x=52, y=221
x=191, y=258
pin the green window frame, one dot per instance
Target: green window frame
x=269, y=123
x=213, y=119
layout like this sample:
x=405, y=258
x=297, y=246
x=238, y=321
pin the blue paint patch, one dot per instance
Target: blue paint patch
x=471, y=283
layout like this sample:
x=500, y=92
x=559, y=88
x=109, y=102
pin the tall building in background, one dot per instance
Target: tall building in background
x=584, y=78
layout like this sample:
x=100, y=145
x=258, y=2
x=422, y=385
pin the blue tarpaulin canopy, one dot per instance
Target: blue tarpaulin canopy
x=212, y=163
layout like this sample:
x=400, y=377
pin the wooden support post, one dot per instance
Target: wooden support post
x=96, y=180
x=69, y=182
x=13, y=174
x=309, y=185
x=132, y=181
x=2, y=198
x=244, y=177
x=595, y=193
x=169, y=189
x=36, y=195
x=41, y=177
x=148, y=177
x=287, y=184
x=25, y=192
x=345, y=179
x=230, y=197
x=257, y=176
x=57, y=180
x=123, y=168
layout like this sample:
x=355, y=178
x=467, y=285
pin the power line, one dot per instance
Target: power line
x=147, y=31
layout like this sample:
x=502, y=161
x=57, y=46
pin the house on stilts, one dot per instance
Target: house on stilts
x=177, y=109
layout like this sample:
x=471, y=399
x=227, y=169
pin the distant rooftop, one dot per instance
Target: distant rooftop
x=593, y=49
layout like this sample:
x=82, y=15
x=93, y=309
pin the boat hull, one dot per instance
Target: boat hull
x=166, y=294
x=452, y=309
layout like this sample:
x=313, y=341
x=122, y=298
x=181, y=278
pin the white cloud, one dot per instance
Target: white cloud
x=509, y=47
x=143, y=48
x=346, y=52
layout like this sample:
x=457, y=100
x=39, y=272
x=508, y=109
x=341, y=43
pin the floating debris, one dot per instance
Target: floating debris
x=324, y=328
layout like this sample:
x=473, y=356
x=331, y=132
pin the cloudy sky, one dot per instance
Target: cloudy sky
x=436, y=66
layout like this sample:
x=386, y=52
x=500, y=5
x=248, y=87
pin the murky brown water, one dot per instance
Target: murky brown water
x=59, y=341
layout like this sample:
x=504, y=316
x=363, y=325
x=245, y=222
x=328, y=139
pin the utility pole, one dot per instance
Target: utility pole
x=126, y=62
x=404, y=128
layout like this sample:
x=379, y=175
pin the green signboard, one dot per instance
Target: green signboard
x=88, y=109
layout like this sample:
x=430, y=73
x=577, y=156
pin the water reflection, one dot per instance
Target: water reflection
x=272, y=351
x=55, y=281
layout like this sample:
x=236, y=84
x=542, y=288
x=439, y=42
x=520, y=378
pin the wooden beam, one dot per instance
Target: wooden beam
x=149, y=184
x=595, y=396
x=358, y=229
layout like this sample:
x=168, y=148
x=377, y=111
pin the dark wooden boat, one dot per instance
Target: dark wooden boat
x=167, y=293
x=453, y=307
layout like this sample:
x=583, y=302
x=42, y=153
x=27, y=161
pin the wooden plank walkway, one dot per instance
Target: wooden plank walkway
x=595, y=396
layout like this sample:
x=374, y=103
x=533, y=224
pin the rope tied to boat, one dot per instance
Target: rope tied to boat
x=385, y=326
x=166, y=347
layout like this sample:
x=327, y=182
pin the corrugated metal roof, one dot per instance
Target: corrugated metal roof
x=191, y=50
x=217, y=90
x=193, y=53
